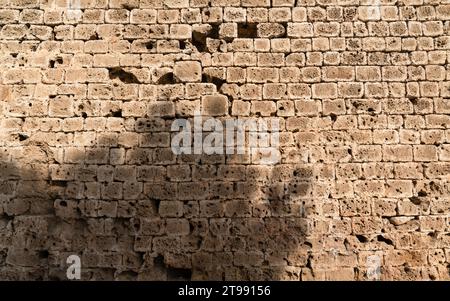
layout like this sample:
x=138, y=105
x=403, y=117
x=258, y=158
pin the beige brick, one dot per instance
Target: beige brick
x=425, y=153
x=401, y=257
x=215, y=105
x=336, y=106
x=265, y=108
x=397, y=153
x=188, y=71
x=368, y=73
x=399, y=188
x=298, y=91
x=61, y=106
x=394, y=73
x=274, y=91
x=262, y=75
x=240, y=108
x=324, y=90
x=338, y=73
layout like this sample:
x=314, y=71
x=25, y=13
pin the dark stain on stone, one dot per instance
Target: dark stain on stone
x=415, y=200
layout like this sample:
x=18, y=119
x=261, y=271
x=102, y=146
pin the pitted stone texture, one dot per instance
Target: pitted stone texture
x=215, y=105
x=188, y=71
x=88, y=96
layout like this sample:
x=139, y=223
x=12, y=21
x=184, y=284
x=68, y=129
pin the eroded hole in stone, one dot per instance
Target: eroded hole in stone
x=385, y=240
x=434, y=234
x=413, y=99
x=116, y=113
x=415, y=200
x=167, y=79
x=52, y=63
x=199, y=41
x=43, y=254
x=158, y=261
x=206, y=78
x=23, y=137
x=247, y=30
x=362, y=238
x=123, y=76
x=422, y=193
x=150, y=45
x=58, y=183
x=172, y=273
x=199, y=37
x=214, y=31
x=3, y=255
x=178, y=274
x=155, y=204
x=333, y=117
x=128, y=6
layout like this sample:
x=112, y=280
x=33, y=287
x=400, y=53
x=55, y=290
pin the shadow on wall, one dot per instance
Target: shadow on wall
x=142, y=213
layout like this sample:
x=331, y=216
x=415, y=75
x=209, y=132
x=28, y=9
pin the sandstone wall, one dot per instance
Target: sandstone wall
x=88, y=92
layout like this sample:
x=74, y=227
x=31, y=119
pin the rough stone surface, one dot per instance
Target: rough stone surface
x=88, y=94
x=188, y=71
